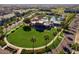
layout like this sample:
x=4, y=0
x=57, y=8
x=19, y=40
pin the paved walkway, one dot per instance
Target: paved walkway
x=9, y=44
x=19, y=51
x=4, y=47
x=77, y=37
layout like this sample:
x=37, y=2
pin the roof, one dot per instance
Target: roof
x=54, y=20
x=9, y=15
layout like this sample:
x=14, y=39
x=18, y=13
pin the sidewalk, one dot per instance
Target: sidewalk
x=9, y=44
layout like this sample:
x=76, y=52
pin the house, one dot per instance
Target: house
x=8, y=15
x=6, y=18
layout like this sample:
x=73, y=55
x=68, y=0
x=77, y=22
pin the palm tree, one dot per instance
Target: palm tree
x=75, y=46
x=46, y=37
x=33, y=40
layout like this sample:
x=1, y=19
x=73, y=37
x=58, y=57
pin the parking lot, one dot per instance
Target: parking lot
x=69, y=37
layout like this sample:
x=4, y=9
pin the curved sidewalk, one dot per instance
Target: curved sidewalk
x=11, y=45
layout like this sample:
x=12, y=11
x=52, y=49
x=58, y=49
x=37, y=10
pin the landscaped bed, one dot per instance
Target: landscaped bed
x=2, y=43
x=23, y=38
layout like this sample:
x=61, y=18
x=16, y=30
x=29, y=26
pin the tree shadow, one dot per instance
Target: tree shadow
x=27, y=28
x=66, y=50
x=71, y=39
x=48, y=27
x=39, y=30
x=68, y=32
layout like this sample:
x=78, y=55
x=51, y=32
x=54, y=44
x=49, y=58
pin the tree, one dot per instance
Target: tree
x=33, y=40
x=68, y=20
x=17, y=19
x=5, y=26
x=27, y=21
x=75, y=46
x=1, y=32
x=46, y=37
x=49, y=17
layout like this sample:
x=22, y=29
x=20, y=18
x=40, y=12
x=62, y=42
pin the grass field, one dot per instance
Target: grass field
x=22, y=38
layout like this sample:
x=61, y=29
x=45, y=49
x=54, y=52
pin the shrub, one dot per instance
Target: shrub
x=26, y=51
x=2, y=43
x=27, y=28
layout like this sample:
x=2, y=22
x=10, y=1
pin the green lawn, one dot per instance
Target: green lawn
x=22, y=38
